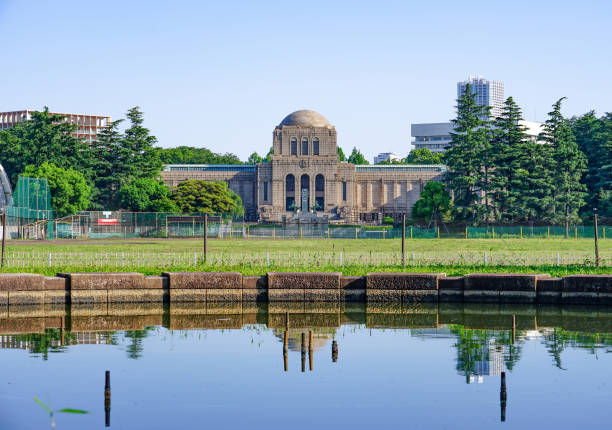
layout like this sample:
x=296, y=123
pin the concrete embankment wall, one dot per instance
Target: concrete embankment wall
x=229, y=287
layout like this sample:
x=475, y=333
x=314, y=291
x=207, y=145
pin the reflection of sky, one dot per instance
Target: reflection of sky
x=384, y=378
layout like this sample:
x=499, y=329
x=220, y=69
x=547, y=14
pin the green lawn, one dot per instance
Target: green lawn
x=350, y=256
x=313, y=245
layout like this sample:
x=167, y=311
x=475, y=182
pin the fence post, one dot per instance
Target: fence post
x=548, y=232
x=485, y=258
x=411, y=233
x=248, y=232
x=355, y=232
x=492, y=232
x=576, y=232
x=385, y=229
x=274, y=233
x=466, y=232
x=521, y=232
x=300, y=232
x=603, y=230
x=403, y=239
x=328, y=232
x=438, y=232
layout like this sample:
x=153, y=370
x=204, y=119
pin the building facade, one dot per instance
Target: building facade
x=488, y=93
x=386, y=156
x=436, y=136
x=88, y=126
x=305, y=178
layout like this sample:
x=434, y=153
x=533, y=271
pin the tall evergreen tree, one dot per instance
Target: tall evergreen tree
x=123, y=157
x=467, y=158
x=569, y=166
x=594, y=138
x=520, y=181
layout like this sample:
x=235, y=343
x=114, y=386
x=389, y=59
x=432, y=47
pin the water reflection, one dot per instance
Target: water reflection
x=487, y=344
x=488, y=339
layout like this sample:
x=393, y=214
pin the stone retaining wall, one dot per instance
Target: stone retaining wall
x=101, y=289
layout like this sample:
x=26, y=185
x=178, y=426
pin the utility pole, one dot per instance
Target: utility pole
x=205, y=236
x=596, y=238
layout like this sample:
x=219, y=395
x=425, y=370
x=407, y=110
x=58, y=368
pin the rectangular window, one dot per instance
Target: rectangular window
x=265, y=190
x=344, y=191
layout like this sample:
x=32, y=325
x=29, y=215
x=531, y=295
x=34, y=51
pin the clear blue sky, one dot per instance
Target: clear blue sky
x=222, y=74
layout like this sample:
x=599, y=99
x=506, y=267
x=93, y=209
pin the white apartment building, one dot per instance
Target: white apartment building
x=88, y=126
x=386, y=156
x=488, y=93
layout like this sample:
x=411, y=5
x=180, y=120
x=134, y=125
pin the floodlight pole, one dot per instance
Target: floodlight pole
x=596, y=237
x=205, y=236
x=403, y=240
x=3, y=235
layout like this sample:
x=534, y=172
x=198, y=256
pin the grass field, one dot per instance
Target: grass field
x=350, y=256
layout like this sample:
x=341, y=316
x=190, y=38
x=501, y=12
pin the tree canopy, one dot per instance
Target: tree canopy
x=424, y=156
x=146, y=195
x=357, y=157
x=69, y=189
x=208, y=197
x=435, y=203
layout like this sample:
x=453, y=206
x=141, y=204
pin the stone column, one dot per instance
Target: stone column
x=369, y=195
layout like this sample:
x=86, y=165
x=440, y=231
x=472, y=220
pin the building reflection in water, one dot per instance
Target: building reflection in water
x=315, y=341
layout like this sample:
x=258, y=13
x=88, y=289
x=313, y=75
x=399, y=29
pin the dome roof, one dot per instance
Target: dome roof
x=305, y=118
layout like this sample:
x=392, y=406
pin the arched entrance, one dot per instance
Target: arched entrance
x=304, y=193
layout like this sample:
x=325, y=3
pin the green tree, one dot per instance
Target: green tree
x=254, y=158
x=424, y=156
x=123, y=157
x=146, y=195
x=341, y=154
x=357, y=157
x=45, y=137
x=468, y=158
x=69, y=189
x=435, y=203
x=208, y=197
x=521, y=176
x=569, y=166
x=594, y=139
x=270, y=154
x=192, y=155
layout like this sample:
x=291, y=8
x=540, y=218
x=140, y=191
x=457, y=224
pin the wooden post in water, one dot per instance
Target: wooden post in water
x=3, y=235
x=303, y=352
x=107, y=399
x=334, y=351
x=503, y=396
x=596, y=238
x=513, y=328
x=286, y=349
x=403, y=239
x=310, y=348
x=205, y=237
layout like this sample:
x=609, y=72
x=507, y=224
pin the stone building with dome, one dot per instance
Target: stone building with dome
x=306, y=181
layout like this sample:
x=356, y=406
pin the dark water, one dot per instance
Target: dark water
x=378, y=367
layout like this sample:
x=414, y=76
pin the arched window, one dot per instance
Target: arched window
x=304, y=146
x=293, y=146
x=315, y=146
x=319, y=183
x=290, y=192
x=319, y=192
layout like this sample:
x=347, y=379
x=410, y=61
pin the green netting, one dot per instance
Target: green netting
x=544, y=232
x=31, y=202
